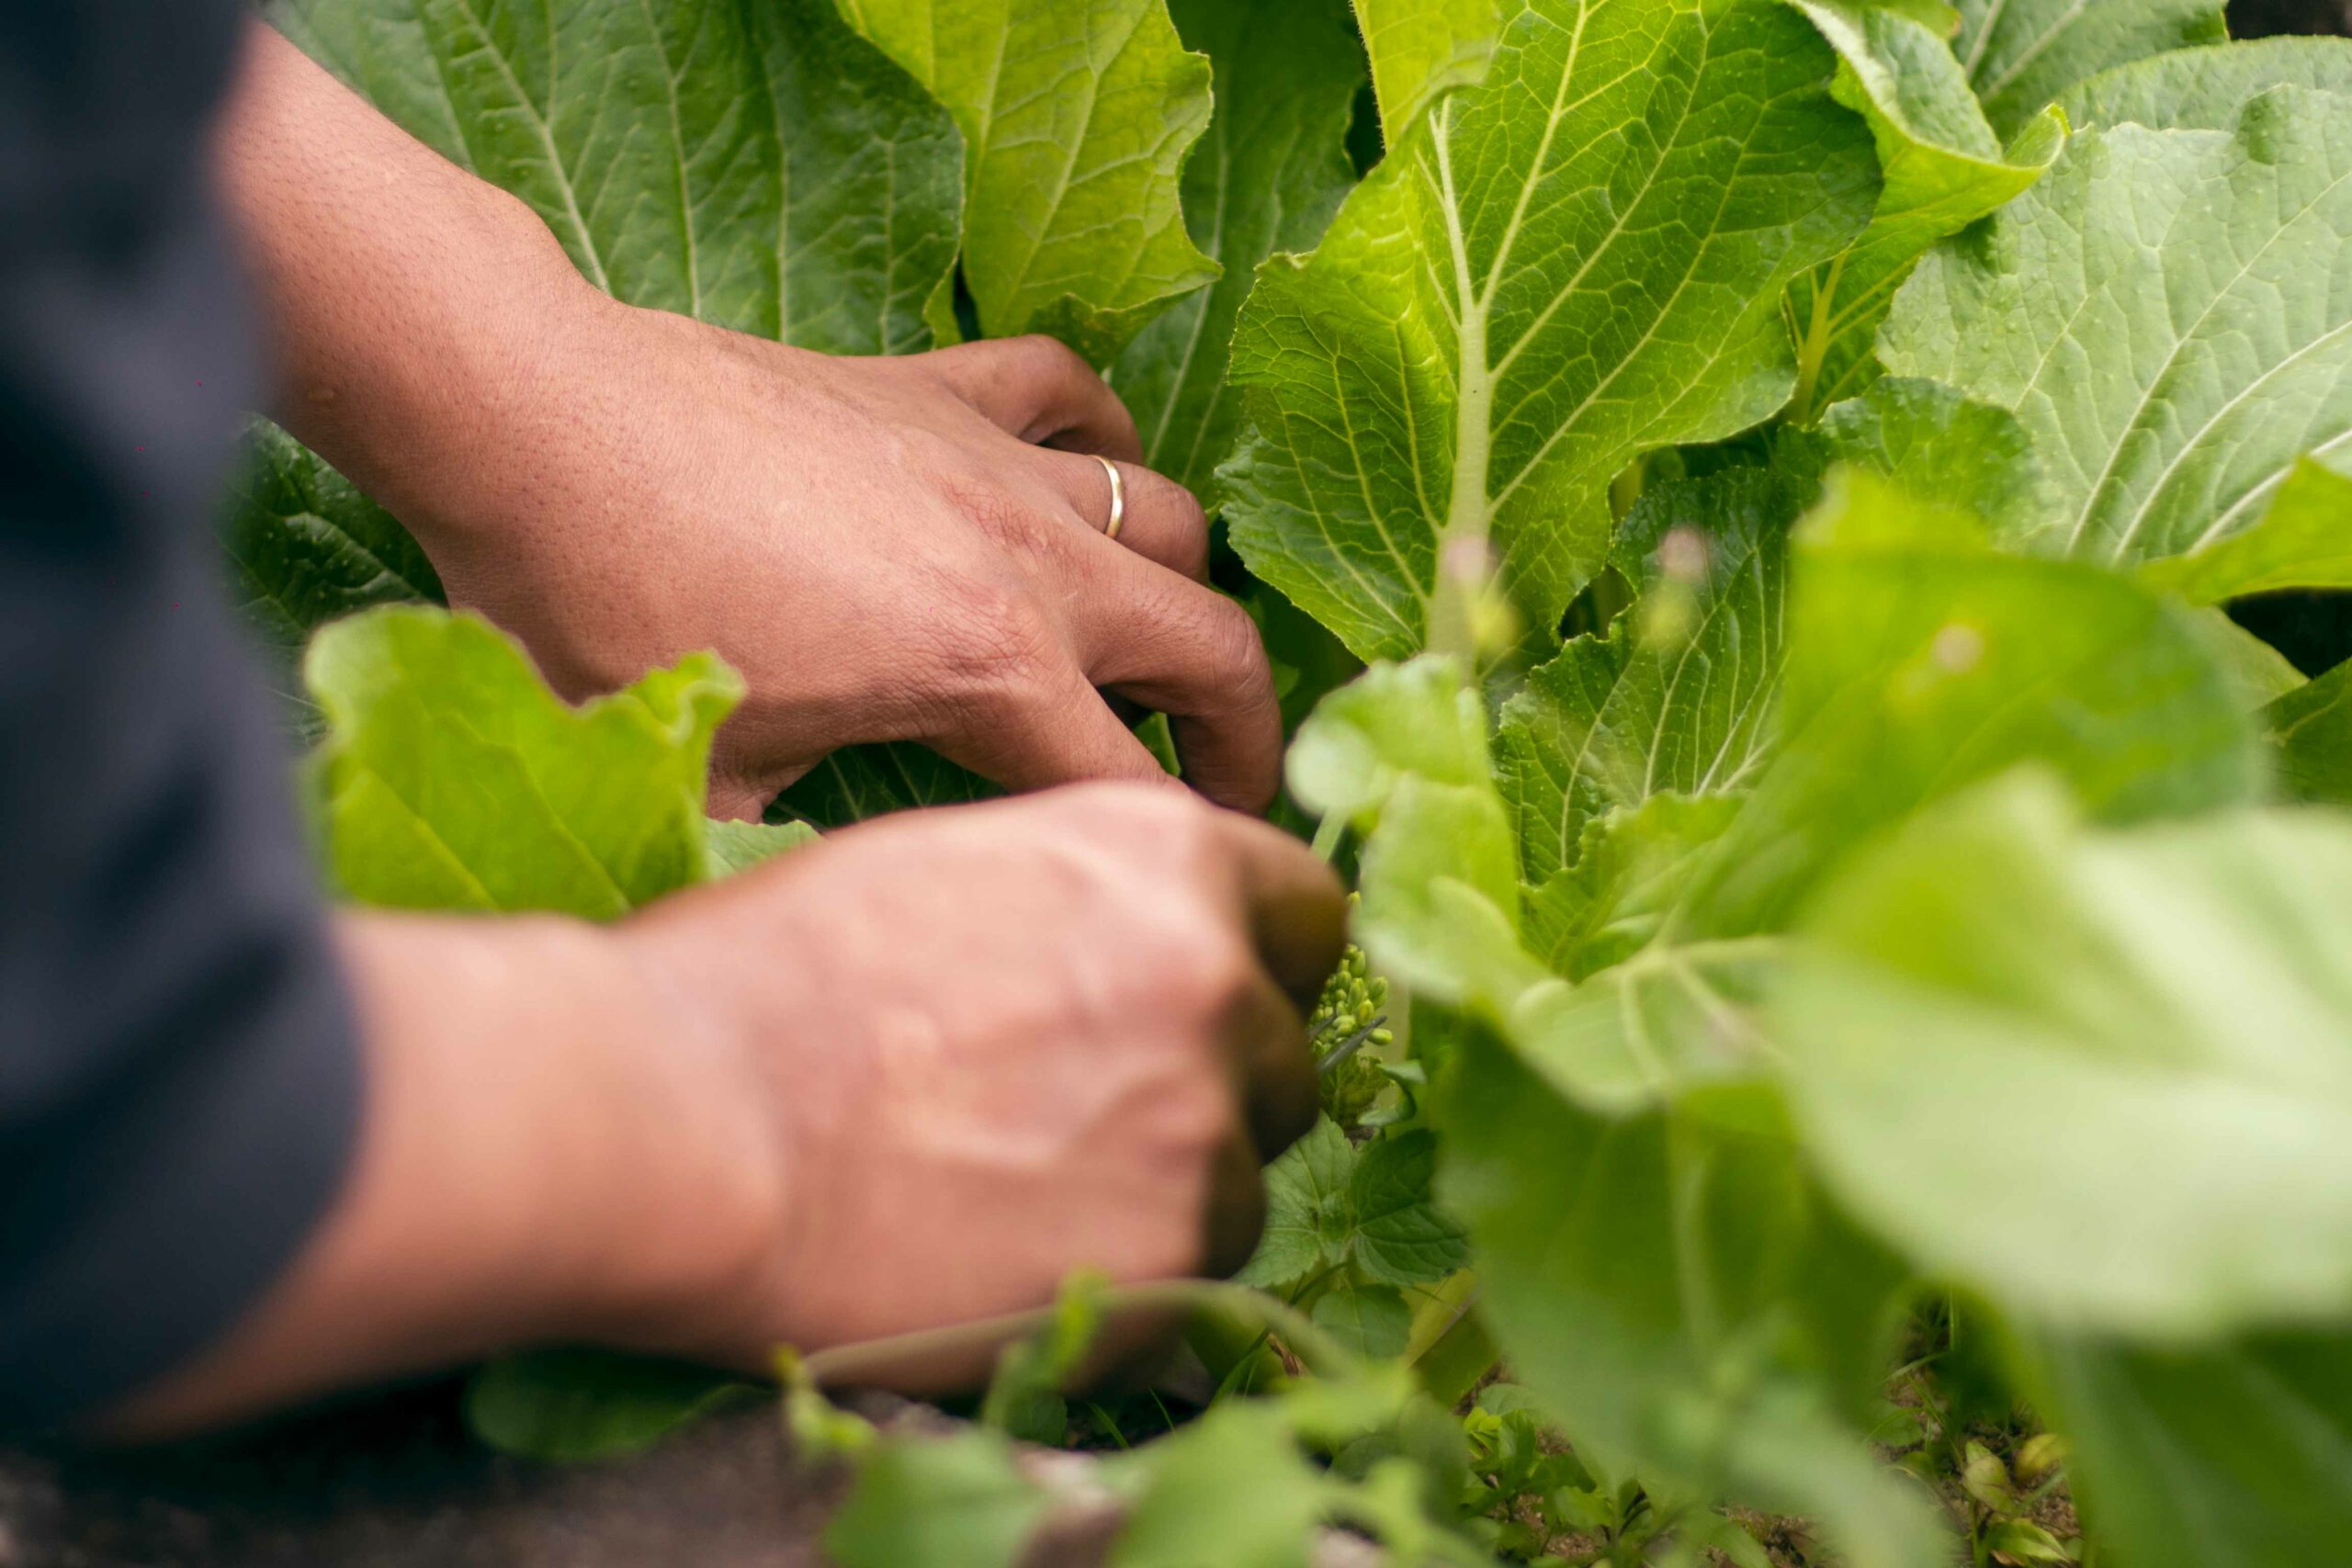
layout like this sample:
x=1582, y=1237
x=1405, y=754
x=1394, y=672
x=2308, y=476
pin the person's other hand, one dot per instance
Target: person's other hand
x=1001, y=1043
x=889, y=549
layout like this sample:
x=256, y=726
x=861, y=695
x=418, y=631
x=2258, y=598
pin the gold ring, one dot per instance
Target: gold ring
x=1118, y=498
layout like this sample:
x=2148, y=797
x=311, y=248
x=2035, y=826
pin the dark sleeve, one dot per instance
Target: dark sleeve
x=179, y=1082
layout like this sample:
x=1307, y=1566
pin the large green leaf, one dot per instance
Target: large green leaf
x=1424, y=49
x=2310, y=729
x=1572, y=264
x=1676, y=697
x=2170, y=314
x=1945, y=169
x=452, y=778
x=755, y=166
x=1683, y=1300
x=305, y=547
x=1921, y=662
x=2232, y=1455
x=2022, y=54
x=2203, y=89
x=1077, y=116
x=2105, y=1079
x=1936, y=444
x=2304, y=540
x=1266, y=177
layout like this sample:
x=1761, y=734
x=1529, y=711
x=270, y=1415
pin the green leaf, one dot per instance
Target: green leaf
x=1401, y=1236
x=1306, y=1208
x=858, y=782
x=756, y=166
x=1422, y=50
x=1681, y=1298
x=1230, y=1488
x=1674, y=1017
x=1395, y=722
x=2260, y=673
x=956, y=1502
x=2022, y=54
x=1944, y=168
x=2163, y=314
x=1573, y=264
x=1626, y=878
x=305, y=547
x=1937, y=445
x=2204, y=89
x=2310, y=730
x=453, y=778
x=1678, y=697
x=2230, y=1455
x=1077, y=116
x=2304, y=540
x=1266, y=177
x=1919, y=662
x=739, y=846
x=2099, y=1077
x=569, y=1407
x=1366, y=1320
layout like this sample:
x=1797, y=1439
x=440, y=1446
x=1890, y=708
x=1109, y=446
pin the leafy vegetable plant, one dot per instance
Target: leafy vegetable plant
x=1829, y=862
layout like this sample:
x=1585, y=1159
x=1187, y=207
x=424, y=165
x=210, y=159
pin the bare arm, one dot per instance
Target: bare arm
x=887, y=549
x=1012, y=1040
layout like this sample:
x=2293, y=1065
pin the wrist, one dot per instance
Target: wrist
x=546, y=1156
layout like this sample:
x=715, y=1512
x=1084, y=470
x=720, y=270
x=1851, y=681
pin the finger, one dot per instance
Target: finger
x=1192, y=653
x=1297, y=912
x=1236, y=1208
x=1042, y=392
x=1281, y=1097
x=1054, y=731
x=1160, y=520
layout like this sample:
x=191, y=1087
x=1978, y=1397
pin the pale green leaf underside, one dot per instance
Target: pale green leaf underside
x=2304, y=540
x=2169, y=313
x=452, y=778
x=2203, y=89
x=2022, y=54
x=1077, y=116
x=1269, y=174
x=2102, y=1077
x=756, y=166
x=1575, y=261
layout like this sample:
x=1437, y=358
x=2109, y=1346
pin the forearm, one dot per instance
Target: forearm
x=411, y=304
x=550, y=1151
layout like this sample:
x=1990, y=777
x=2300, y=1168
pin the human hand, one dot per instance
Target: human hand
x=909, y=1077
x=880, y=546
x=887, y=549
x=998, y=1043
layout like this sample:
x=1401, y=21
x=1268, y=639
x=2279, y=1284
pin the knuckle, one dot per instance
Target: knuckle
x=1235, y=652
x=1050, y=357
x=995, y=512
x=999, y=644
